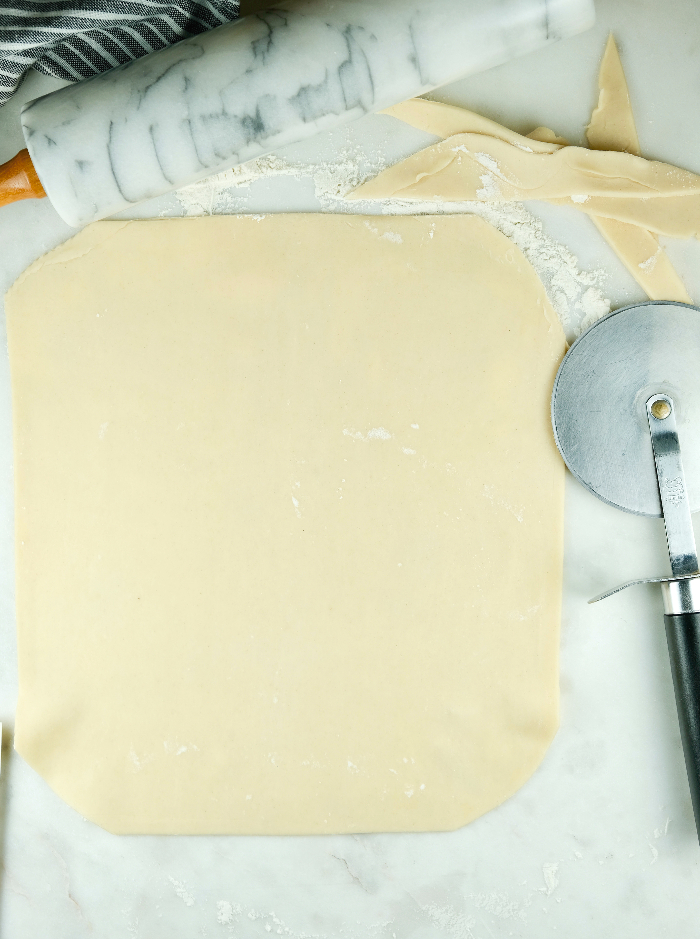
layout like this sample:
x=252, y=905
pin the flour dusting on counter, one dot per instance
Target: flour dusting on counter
x=575, y=294
x=221, y=194
x=182, y=892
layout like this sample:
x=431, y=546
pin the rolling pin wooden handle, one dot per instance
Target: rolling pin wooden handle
x=18, y=180
x=683, y=634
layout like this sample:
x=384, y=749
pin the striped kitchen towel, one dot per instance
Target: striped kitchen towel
x=74, y=40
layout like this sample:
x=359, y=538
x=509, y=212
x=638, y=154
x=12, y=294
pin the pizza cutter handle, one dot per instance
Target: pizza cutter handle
x=683, y=635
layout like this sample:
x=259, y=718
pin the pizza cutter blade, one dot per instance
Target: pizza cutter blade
x=626, y=418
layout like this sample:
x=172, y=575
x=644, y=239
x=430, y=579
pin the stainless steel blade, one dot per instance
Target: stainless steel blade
x=599, y=402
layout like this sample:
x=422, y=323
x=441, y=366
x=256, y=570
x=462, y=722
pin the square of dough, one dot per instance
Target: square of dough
x=289, y=522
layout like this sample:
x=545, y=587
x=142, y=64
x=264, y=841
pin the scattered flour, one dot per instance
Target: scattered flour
x=551, y=881
x=492, y=496
x=177, y=748
x=488, y=161
x=224, y=912
x=182, y=892
x=650, y=263
x=221, y=194
x=376, y=433
x=379, y=433
x=591, y=307
x=489, y=187
x=576, y=295
x=450, y=921
x=140, y=760
x=498, y=904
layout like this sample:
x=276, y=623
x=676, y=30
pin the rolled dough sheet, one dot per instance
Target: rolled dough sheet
x=289, y=522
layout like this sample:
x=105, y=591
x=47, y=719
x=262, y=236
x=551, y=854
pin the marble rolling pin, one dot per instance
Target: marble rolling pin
x=252, y=86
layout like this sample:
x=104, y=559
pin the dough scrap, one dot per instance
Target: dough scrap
x=612, y=127
x=446, y=120
x=479, y=160
x=547, y=135
x=674, y=216
x=289, y=522
x=645, y=259
x=476, y=167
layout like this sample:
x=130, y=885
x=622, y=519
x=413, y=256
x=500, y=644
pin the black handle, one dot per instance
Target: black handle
x=683, y=635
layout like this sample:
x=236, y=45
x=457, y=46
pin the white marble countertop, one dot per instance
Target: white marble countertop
x=601, y=840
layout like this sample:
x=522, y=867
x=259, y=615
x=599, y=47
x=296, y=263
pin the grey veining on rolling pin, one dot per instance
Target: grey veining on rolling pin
x=273, y=78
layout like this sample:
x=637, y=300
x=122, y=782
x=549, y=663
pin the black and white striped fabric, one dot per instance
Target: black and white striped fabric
x=74, y=40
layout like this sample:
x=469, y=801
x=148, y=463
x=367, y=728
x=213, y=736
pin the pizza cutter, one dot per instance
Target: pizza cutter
x=626, y=418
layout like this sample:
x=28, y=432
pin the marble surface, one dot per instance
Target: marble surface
x=267, y=80
x=601, y=841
